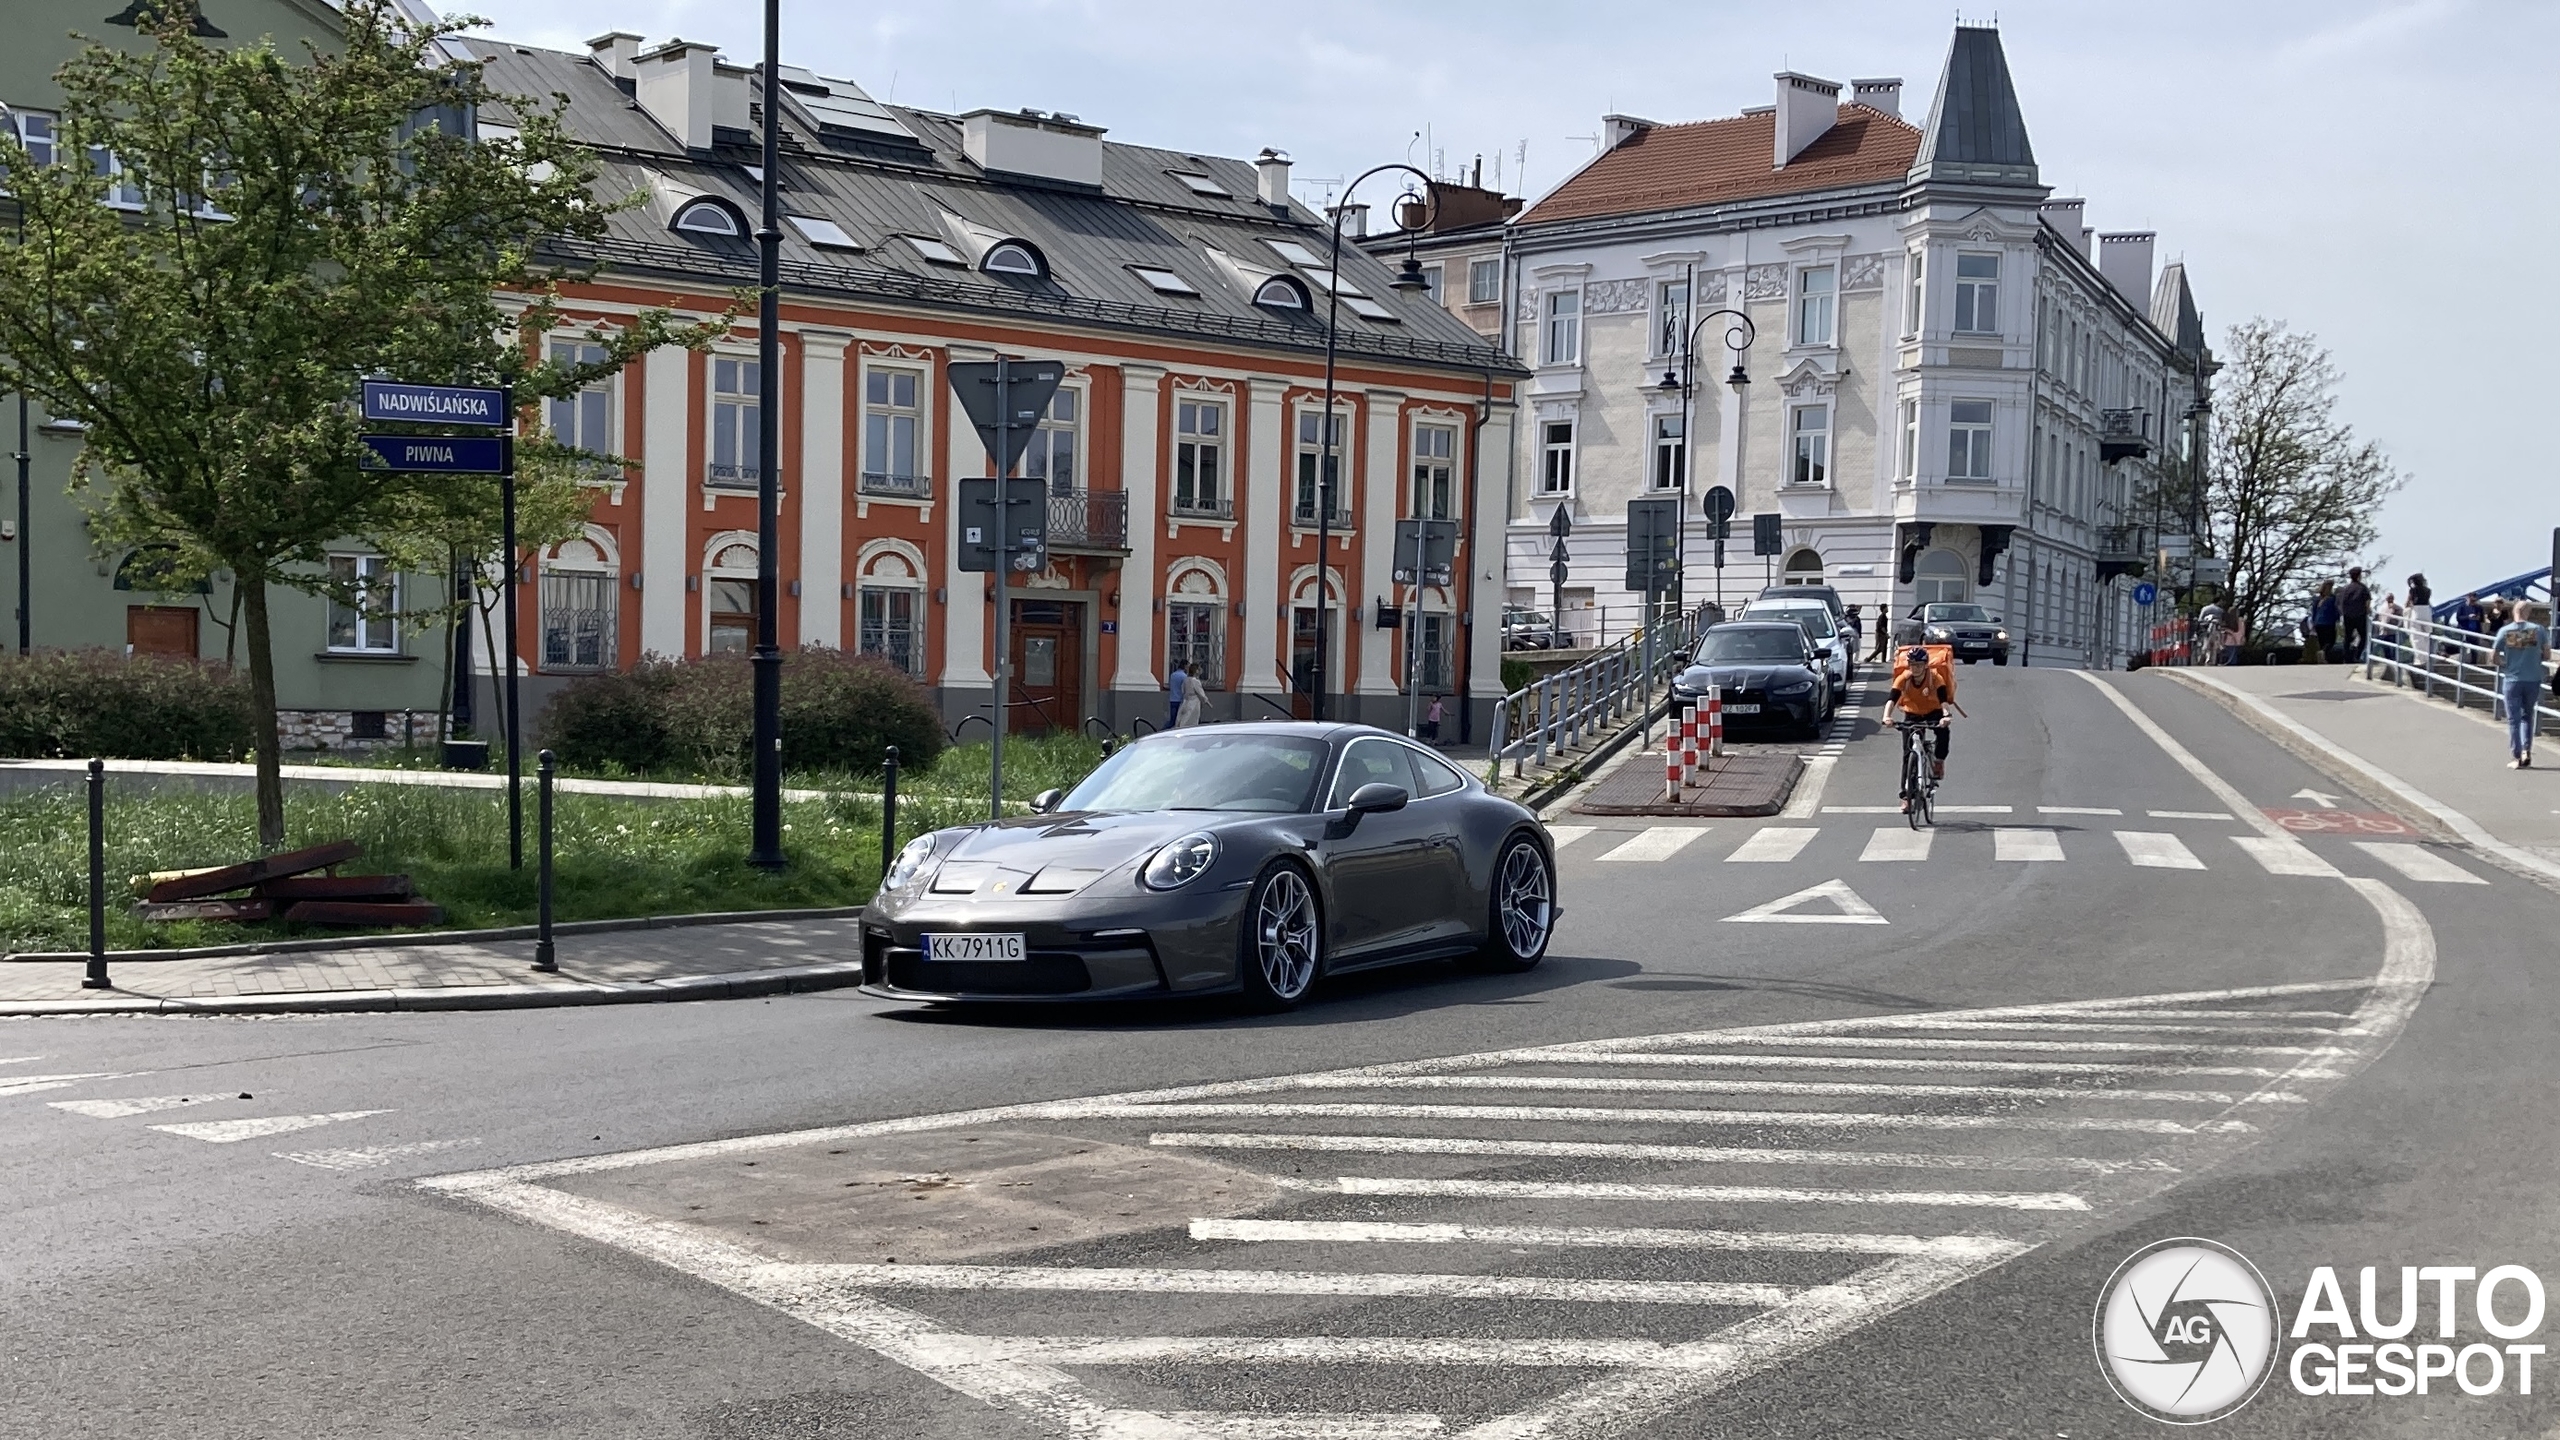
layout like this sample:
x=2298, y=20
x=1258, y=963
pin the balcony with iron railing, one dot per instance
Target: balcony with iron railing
x=1304, y=517
x=2123, y=434
x=1092, y=520
x=716, y=476
x=894, y=487
x=1202, y=507
x=2123, y=550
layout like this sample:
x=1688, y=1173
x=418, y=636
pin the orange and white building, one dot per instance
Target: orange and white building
x=1188, y=297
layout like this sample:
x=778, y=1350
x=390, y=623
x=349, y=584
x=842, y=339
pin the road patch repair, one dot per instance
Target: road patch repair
x=1752, y=784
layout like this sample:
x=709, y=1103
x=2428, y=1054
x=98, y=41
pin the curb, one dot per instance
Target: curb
x=396, y=938
x=2351, y=767
x=1585, y=771
x=739, y=985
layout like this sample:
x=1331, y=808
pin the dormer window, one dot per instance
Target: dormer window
x=1281, y=293
x=934, y=250
x=1012, y=257
x=820, y=231
x=709, y=217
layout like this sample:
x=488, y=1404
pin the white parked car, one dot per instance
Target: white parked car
x=1830, y=643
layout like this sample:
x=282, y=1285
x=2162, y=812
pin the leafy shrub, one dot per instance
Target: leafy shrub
x=73, y=703
x=838, y=712
x=1516, y=675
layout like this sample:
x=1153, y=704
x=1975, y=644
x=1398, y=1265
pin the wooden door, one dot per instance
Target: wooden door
x=1303, y=681
x=161, y=630
x=1048, y=666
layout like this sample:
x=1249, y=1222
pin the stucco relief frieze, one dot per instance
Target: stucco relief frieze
x=1765, y=282
x=1711, y=288
x=1862, y=272
x=1615, y=297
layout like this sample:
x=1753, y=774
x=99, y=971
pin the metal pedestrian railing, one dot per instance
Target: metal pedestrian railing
x=1580, y=705
x=2443, y=661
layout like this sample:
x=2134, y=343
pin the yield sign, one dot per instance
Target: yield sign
x=1851, y=910
x=1012, y=416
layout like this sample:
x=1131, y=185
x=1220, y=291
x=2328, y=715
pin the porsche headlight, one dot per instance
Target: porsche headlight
x=1181, y=862
x=909, y=864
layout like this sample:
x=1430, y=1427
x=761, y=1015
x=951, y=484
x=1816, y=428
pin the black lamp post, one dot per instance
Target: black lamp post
x=766, y=667
x=1408, y=278
x=24, y=457
x=1680, y=380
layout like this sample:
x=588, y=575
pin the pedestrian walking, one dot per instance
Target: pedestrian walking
x=1884, y=633
x=2355, y=615
x=1856, y=624
x=2468, y=616
x=1177, y=688
x=2386, y=635
x=2324, y=619
x=2421, y=620
x=1431, y=724
x=2522, y=647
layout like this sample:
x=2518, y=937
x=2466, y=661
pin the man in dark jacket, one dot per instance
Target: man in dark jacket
x=2355, y=615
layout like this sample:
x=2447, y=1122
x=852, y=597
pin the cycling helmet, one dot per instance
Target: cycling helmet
x=1916, y=655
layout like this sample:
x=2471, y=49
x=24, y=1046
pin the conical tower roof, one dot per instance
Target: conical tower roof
x=1976, y=133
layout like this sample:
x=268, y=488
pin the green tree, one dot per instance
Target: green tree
x=279, y=229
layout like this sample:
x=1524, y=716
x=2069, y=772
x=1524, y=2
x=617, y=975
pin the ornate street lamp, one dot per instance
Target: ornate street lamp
x=1678, y=380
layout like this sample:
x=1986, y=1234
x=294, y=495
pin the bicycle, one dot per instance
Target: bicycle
x=1919, y=770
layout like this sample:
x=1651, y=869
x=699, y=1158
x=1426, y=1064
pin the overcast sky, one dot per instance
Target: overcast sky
x=2374, y=173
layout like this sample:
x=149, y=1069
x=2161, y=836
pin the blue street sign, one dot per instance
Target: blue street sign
x=435, y=404
x=2145, y=593
x=443, y=454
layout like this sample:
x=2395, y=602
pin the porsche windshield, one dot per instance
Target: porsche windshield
x=1766, y=644
x=1206, y=771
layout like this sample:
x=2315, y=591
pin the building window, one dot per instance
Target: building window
x=1012, y=258
x=1670, y=452
x=364, y=606
x=583, y=421
x=1564, y=328
x=1969, y=440
x=1978, y=294
x=1910, y=439
x=1281, y=293
x=1811, y=450
x=892, y=418
x=1938, y=579
x=1199, y=457
x=578, y=629
x=35, y=131
x=1194, y=639
x=1484, y=281
x=1052, y=456
x=1431, y=285
x=1919, y=289
x=1670, y=317
x=1312, y=450
x=736, y=387
x=122, y=192
x=1804, y=567
x=1435, y=476
x=1434, y=635
x=1555, y=458
x=1815, y=289
x=707, y=217
x=886, y=626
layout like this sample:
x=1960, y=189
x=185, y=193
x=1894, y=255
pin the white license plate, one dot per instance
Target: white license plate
x=973, y=947
x=1742, y=709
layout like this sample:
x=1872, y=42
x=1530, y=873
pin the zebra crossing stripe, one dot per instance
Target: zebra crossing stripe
x=2283, y=855
x=1659, y=844
x=1775, y=845
x=1602, y=1237
x=1150, y=1280
x=1654, y=1084
x=2419, y=863
x=1278, y=1425
x=2157, y=850
x=2104, y=1068
x=1897, y=843
x=1637, y=1115
x=1559, y=836
x=2011, y=843
x=1671, y=1154
x=1686, y=1194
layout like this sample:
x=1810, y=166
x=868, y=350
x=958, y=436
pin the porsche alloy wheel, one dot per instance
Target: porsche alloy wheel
x=1284, y=939
x=1524, y=908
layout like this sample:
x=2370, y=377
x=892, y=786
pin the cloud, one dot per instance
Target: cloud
x=2368, y=31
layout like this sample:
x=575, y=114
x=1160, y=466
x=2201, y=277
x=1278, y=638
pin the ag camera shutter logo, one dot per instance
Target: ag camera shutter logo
x=2186, y=1330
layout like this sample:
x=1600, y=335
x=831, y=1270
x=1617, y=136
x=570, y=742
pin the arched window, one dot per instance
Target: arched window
x=1804, y=568
x=729, y=597
x=1938, y=579
x=581, y=594
x=1281, y=293
x=1195, y=625
x=1013, y=257
x=889, y=601
x=708, y=217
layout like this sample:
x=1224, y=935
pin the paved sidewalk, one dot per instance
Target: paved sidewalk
x=2410, y=752
x=692, y=962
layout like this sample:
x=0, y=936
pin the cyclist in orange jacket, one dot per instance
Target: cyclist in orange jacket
x=1924, y=695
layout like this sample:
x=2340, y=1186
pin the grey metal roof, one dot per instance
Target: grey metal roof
x=879, y=189
x=2173, y=309
x=1976, y=131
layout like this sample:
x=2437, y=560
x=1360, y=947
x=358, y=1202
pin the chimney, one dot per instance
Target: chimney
x=1355, y=220
x=730, y=106
x=674, y=84
x=1026, y=142
x=2125, y=259
x=2065, y=216
x=1806, y=109
x=1274, y=186
x=613, y=50
x=1615, y=130
x=1884, y=95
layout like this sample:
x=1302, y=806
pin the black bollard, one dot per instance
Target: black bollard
x=96, y=979
x=888, y=812
x=544, y=958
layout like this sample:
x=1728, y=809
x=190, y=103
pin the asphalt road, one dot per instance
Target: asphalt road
x=1895, y=1222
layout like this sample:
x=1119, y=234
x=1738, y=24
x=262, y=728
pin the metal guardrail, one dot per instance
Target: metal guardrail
x=2439, y=659
x=1583, y=702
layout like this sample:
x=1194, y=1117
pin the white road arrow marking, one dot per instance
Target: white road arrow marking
x=137, y=1105
x=30, y=1084
x=2321, y=798
x=225, y=1132
x=1854, y=910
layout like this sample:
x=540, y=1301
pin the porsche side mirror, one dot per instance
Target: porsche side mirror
x=1047, y=800
x=1377, y=797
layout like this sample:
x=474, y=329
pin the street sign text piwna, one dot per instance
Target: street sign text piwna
x=443, y=454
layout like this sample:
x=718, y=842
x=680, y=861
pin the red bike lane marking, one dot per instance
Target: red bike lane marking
x=2340, y=822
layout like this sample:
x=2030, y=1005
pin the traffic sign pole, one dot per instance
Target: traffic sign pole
x=1004, y=602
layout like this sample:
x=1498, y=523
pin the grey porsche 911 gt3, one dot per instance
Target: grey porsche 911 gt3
x=1246, y=859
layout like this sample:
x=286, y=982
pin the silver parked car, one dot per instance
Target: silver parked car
x=1244, y=859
